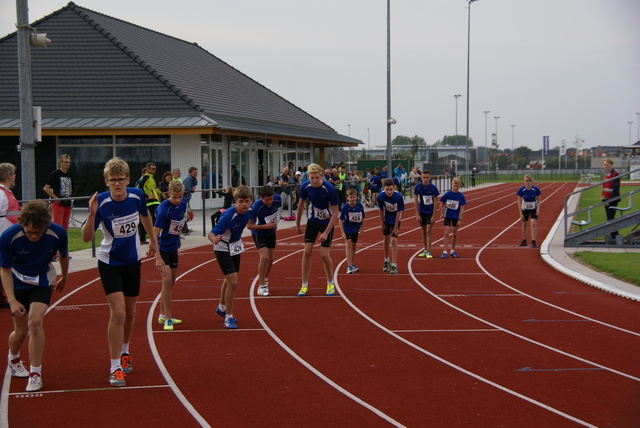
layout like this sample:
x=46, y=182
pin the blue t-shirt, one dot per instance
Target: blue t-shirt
x=320, y=199
x=31, y=261
x=452, y=202
x=170, y=219
x=265, y=214
x=352, y=217
x=426, y=197
x=118, y=221
x=529, y=197
x=374, y=180
x=391, y=205
x=230, y=226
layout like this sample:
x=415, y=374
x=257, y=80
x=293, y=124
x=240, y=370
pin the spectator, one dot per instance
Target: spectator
x=190, y=183
x=9, y=209
x=60, y=185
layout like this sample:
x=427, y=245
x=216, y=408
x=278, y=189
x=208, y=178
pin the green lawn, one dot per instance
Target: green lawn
x=592, y=197
x=75, y=240
x=623, y=266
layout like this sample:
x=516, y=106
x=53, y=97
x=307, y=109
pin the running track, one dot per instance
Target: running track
x=495, y=338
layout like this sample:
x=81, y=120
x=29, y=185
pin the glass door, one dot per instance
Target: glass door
x=274, y=164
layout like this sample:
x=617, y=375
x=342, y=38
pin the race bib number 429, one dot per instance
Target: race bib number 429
x=126, y=226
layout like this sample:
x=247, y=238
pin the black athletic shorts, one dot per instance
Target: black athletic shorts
x=425, y=219
x=388, y=227
x=32, y=295
x=353, y=237
x=170, y=258
x=312, y=232
x=529, y=213
x=264, y=241
x=228, y=264
x=451, y=221
x=125, y=279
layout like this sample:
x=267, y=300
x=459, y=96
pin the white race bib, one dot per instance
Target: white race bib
x=236, y=248
x=354, y=217
x=321, y=214
x=124, y=227
x=176, y=227
x=427, y=199
x=452, y=204
x=528, y=206
x=273, y=218
x=390, y=207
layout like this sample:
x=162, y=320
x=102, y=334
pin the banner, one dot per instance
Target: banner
x=562, y=148
x=545, y=144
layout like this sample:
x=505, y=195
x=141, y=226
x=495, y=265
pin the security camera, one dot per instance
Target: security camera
x=391, y=121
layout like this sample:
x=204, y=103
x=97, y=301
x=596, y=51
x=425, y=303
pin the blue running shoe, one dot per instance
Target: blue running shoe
x=230, y=323
x=221, y=313
x=444, y=255
x=455, y=255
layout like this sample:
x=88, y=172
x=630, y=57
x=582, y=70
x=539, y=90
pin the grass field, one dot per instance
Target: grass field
x=592, y=197
x=623, y=266
x=76, y=243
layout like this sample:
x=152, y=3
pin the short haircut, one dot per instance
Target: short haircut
x=192, y=168
x=456, y=180
x=6, y=169
x=150, y=164
x=243, y=192
x=35, y=213
x=63, y=157
x=608, y=160
x=387, y=182
x=176, y=186
x=116, y=166
x=426, y=171
x=314, y=168
x=528, y=176
x=352, y=191
x=266, y=191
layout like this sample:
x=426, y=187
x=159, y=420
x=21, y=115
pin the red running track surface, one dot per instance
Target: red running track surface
x=495, y=338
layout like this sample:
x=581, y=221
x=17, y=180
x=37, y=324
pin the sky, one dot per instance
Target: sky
x=567, y=69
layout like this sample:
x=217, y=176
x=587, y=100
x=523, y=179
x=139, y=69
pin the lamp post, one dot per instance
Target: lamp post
x=638, y=125
x=630, y=123
x=349, y=162
x=486, y=113
x=496, y=139
x=466, y=156
x=513, y=152
x=390, y=120
x=456, y=138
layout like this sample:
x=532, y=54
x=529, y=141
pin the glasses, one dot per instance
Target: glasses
x=32, y=233
x=117, y=180
x=65, y=161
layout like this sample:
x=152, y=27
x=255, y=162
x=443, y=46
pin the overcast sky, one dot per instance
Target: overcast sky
x=562, y=68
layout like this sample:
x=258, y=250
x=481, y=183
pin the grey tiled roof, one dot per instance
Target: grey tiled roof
x=103, y=67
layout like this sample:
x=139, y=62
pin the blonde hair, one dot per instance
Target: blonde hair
x=608, y=160
x=176, y=186
x=243, y=192
x=456, y=180
x=314, y=168
x=116, y=166
x=528, y=176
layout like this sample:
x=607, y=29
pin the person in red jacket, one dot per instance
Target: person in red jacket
x=610, y=189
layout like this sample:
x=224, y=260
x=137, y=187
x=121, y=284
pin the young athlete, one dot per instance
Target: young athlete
x=374, y=185
x=117, y=213
x=29, y=278
x=528, y=207
x=351, y=218
x=168, y=227
x=322, y=215
x=452, y=208
x=226, y=236
x=265, y=211
x=391, y=205
x=425, y=196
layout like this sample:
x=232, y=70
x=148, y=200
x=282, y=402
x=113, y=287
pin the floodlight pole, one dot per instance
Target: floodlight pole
x=27, y=133
x=389, y=121
x=466, y=156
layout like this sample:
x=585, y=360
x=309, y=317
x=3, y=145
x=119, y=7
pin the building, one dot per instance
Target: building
x=111, y=88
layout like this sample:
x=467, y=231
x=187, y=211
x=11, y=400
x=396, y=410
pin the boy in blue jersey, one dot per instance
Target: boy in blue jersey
x=452, y=208
x=168, y=227
x=29, y=278
x=391, y=205
x=226, y=236
x=351, y=218
x=425, y=196
x=265, y=211
x=374, y=184
x=322, y=215
x=529, y=206
x=117, y=212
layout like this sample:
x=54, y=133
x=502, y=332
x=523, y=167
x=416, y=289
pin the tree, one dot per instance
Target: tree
x=364, y=155
x=456, y=140
x=417, y=144
x=401, y=140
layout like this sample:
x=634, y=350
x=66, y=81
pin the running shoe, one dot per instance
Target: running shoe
x=168, y=325
x=394, y=270
x=162, y=319
x=455, y=255
x=125, y=362
x=354, y=268
x=386, y=267
x=230, y=323
x=533, y=244
x=428, y=255
x=444, y=255
x=423, y=254
x=263, y=290
x=523, y=243
x=221, y=313
x=18, y=370
x=349, y=270
x=331, y=290
x=303, y=291
x=116, y=378
x=35, y=382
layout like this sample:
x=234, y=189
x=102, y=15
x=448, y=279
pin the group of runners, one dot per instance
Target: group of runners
x=29, y=246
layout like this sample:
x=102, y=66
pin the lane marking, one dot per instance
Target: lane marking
x=113, y=388
x=531, y=369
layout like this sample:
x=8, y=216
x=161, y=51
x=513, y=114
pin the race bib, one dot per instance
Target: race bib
x=528, y=205
x=124, y=227
x=176, y=227
x=390, y=207
x=27, y=279
x=236, y=248
x=427, y=199
x=273, y=218
x=354, y=217
x=321, y=214
x=452, y=204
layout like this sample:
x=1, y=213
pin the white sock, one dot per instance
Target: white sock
x=228, y=316
x=161, y=316
x=266, y=282
x=305, y=284
x=115, y=365
x=222, y=307
x=14, y=357
x=125, y=348
x=34, y=369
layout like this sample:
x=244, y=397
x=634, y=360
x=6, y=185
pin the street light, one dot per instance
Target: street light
x=638, y=125
x=513, y=127
x=390, y=120
x=486, y=112
x=466, y=156
x=630, y=123
x=456, y=140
